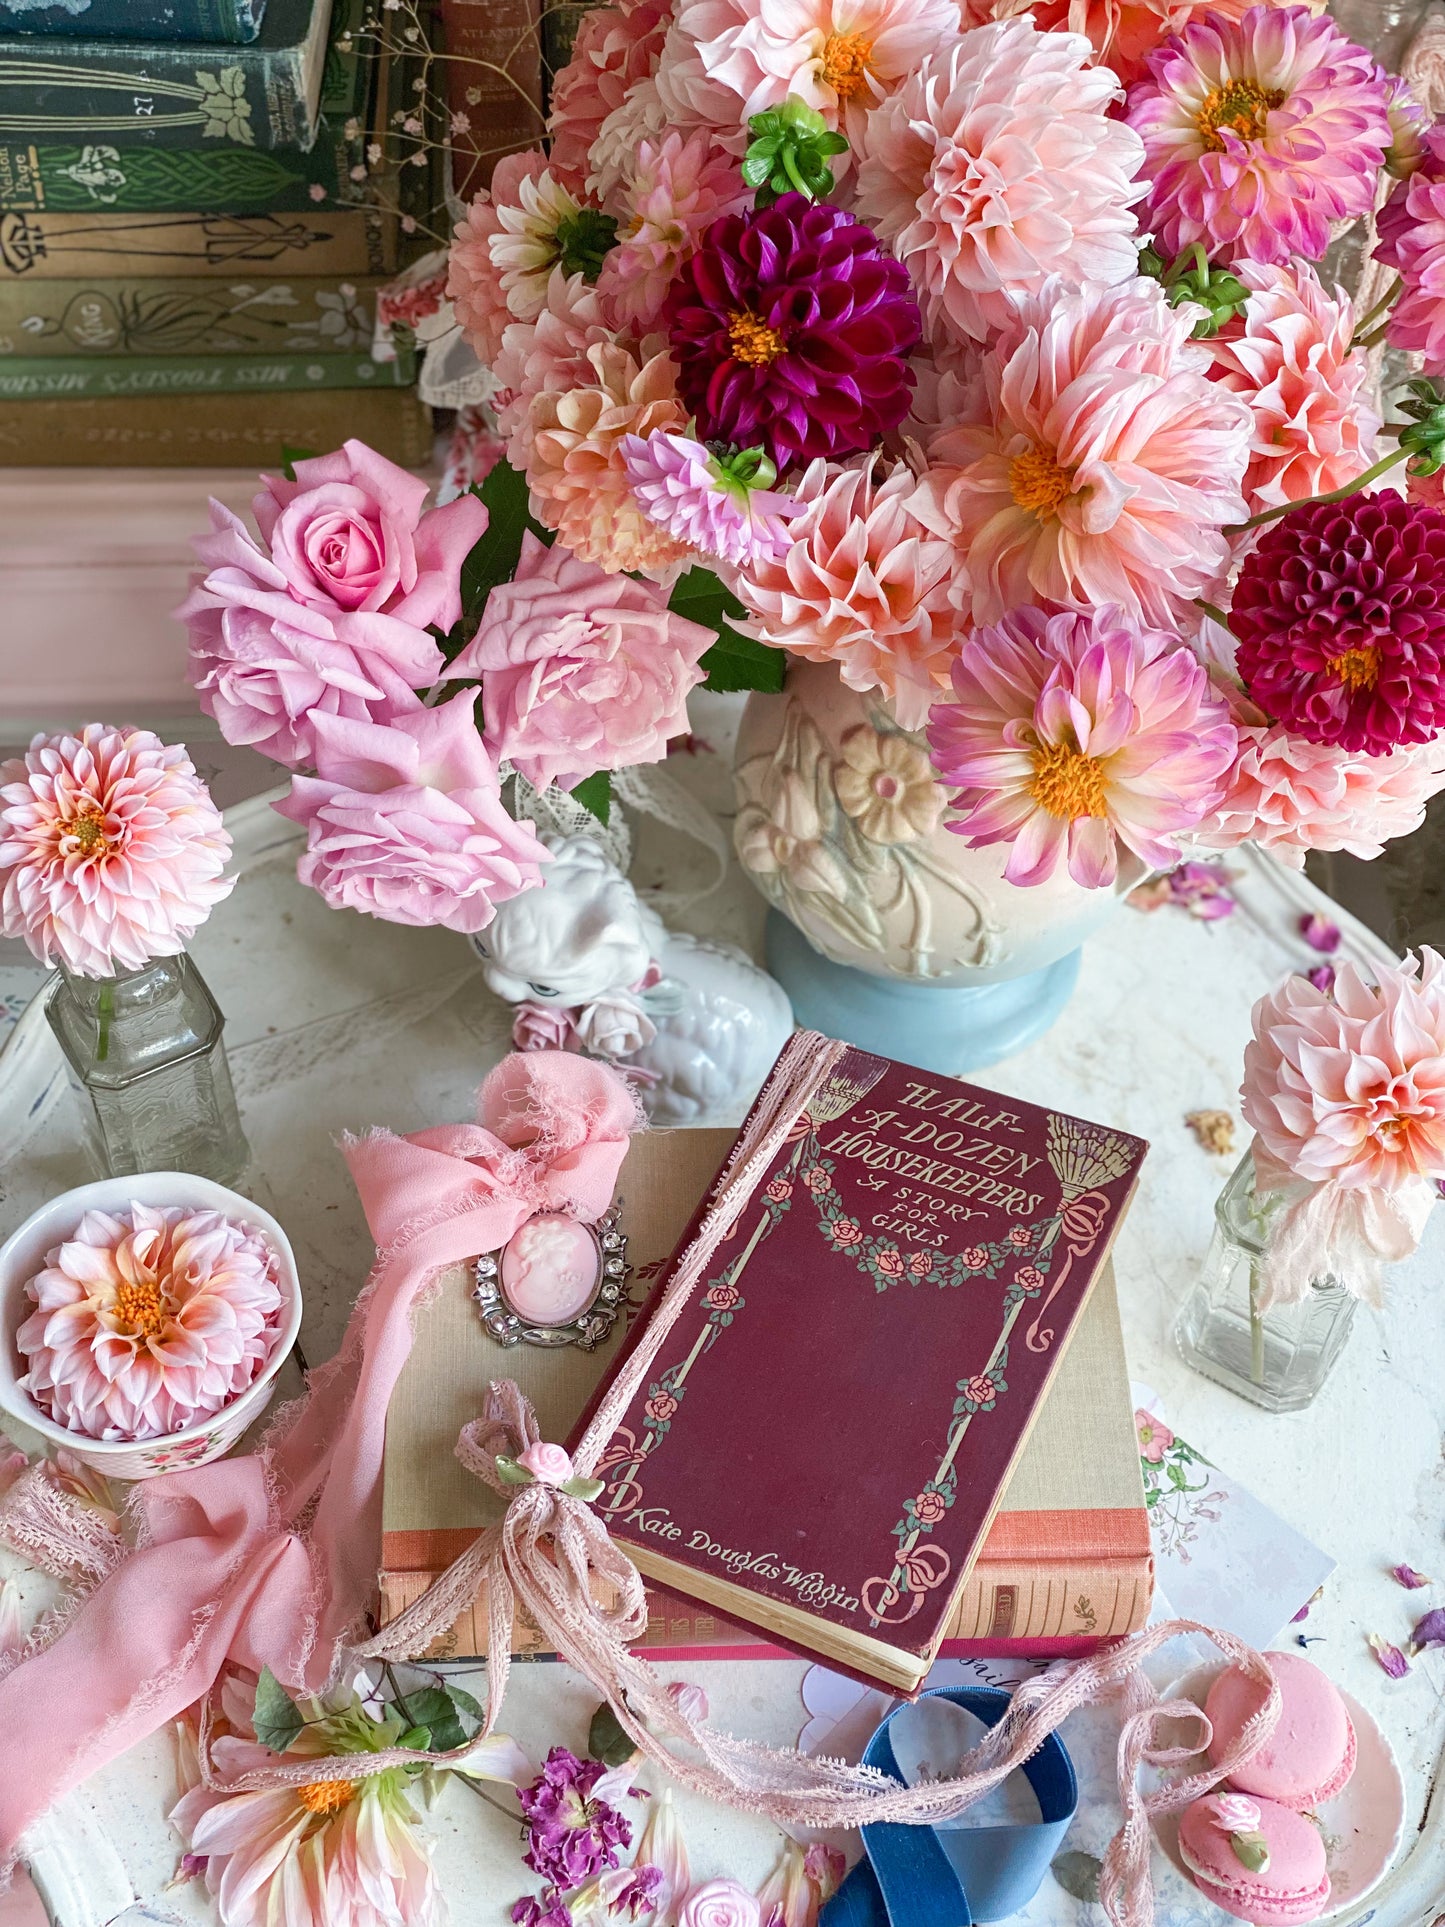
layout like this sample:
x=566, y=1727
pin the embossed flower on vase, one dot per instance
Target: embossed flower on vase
x=886, y=784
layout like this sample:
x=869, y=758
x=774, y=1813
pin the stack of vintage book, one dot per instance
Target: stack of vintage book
x=193, y=232
x=893, y=1421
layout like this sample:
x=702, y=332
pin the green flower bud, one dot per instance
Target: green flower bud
x=790, y=151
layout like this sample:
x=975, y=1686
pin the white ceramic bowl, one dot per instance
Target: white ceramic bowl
x=23, y=1255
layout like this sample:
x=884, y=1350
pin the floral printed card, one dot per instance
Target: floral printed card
x=825, y=1434
x=1222, y=1556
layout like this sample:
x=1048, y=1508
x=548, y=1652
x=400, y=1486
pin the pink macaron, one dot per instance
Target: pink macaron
x=1310, y=1754
x=1257, y=1860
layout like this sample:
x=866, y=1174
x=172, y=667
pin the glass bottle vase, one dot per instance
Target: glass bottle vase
x=1278, y=1358
x=145, y=1048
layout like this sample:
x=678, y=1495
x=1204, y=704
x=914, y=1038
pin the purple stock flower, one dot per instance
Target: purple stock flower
x=791, y=330
x=571, y=1835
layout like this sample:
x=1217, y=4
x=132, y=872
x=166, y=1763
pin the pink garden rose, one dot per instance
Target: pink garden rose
x=405, y=821
x=352, y=534
x=580, y=670
x=548, y=1464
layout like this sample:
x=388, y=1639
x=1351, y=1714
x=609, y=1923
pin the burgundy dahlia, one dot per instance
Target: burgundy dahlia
x=1340, y=616
x=791, y=329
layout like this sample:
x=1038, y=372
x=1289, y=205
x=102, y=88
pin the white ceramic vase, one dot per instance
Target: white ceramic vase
x=887, y=928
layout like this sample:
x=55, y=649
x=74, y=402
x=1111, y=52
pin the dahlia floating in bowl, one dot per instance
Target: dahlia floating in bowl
x=145, y=1319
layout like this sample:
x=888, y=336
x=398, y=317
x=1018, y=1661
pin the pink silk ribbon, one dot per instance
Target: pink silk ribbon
x=271, y=1558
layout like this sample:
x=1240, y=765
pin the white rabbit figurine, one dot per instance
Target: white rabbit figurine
x=588, y=966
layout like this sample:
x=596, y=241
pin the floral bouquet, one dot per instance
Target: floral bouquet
x=986, y=358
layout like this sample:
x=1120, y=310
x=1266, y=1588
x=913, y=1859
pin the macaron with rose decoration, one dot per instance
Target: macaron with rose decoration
x=1256, y=1859
x=1310, y=1755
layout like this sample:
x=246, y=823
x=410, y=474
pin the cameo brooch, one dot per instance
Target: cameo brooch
x=557, y=1281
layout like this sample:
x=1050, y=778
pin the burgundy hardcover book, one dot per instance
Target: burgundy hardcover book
x=824, y=1436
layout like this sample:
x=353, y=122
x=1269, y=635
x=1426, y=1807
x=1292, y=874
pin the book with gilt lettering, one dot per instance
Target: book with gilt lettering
x=1067, y=1561
x=823, y=1440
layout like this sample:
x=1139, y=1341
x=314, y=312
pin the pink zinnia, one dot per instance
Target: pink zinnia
x=1104, y=465
x=111, y=850
x=706, y=501
x=864, y=583
x=995, y=166
x=1258, y=133
x=678, y=186
x=1308, y=390
x=149, y=1321
x=1412, y=242
x=1348, y=1086
x=839, y=56
x=1070, y=735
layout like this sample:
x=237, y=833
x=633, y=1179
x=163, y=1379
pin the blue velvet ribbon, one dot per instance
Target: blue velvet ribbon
x=908, y=1878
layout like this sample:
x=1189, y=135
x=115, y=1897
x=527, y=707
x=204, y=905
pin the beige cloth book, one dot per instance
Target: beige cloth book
x=1067, y=1561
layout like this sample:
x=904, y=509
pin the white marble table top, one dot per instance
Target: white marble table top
x=335, y=1022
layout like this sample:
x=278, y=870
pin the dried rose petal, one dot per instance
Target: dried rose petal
x=1429, y=1631
x=1390, y=1657
x=1407, y=1577
x=1322, y=977
x=1318, y=932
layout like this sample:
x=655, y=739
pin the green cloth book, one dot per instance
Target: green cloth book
x=150, y=94
x=237, y=21
x=49, y=377
x=253, y=314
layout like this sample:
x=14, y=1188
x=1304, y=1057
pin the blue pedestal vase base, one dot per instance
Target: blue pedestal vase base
x=948, y=1028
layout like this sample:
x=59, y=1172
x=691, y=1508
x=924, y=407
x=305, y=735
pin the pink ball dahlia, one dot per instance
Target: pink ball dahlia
x=1412, y=242
x=1104, y=464
x=677, y=188
x=1070, y=735
x=1339, y=614
x=791, y=331
x=996, y=165
x=1289, y=795
x=547, y=356
x=580, y=670
x=1258, y=133
x=111, y=850
x=864, y=583
x=719, y=506
x=1348, y=1086
x=1308, y=390
x=841, y=57
x=149, y=1321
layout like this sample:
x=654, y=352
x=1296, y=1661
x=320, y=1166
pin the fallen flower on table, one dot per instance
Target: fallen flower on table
x=662, y=1846
x=332, y=1852
x=1318, y=932
x=802, y=1882
x=1407, y=1577
x=623, y=1893
x=1429, y=1631
x=571, y=1833
x=1391, y=1659
x=1199, y=887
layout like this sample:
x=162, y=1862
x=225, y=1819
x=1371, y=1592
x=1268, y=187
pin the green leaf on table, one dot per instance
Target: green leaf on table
x=276, y=1716
x=468, y=1708
x=736, y=662
x=430, y=1710
x=594, y=793
x=419, y=1739
x=606, y=1741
